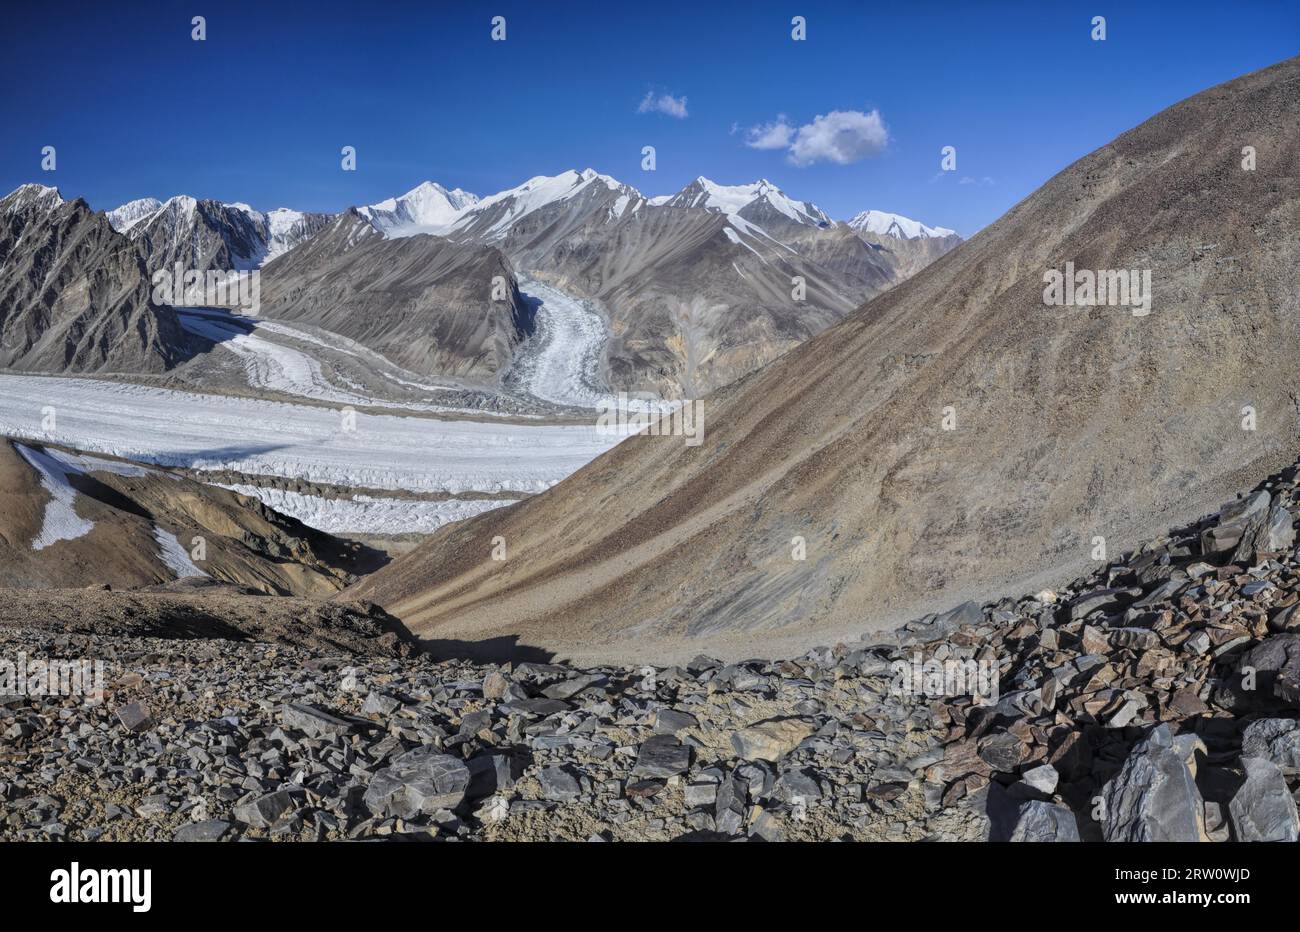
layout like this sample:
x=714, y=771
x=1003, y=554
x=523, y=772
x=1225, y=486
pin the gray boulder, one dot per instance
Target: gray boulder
x=1275, y=739
x=1276, y=662
x=1263, y=809
x=263, y=811
x=661, y=756
x=1236, y=520
x=559, y=784
x=1273, y=534
x=1044, y=821
x=420, y=781
x=135, y=717
x=1154, y=796
x=313, y=722
x=210, y=830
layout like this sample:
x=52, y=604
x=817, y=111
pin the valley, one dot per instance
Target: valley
x=571, y=456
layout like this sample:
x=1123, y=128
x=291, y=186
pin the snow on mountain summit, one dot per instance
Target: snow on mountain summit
x=502, y=210
x=886, y=224
x=747, y=200
x=426, y=208
x=42, y=196
x=132, y=212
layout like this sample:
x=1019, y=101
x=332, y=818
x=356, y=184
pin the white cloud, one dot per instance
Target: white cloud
x=774, y=135
x=666, y=104
x=841, y=136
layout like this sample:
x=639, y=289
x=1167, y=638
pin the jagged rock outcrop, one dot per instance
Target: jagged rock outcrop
x=74, y=295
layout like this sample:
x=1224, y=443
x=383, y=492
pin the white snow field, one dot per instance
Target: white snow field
x=215, y=432
x=60, y=521
x=173, y=555
x=366, y=514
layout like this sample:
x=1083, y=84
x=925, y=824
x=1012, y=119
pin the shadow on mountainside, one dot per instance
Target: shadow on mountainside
x=493, y=650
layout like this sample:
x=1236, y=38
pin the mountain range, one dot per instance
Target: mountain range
x=424, y=302
x=731, y=276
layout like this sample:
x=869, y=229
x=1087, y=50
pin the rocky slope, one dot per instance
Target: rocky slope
x=74, y=295
x=423, y=302
x=1155, y=699
x=827, y=491
x=73, y=521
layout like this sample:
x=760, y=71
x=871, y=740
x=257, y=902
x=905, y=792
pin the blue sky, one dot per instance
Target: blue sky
x=259, y=111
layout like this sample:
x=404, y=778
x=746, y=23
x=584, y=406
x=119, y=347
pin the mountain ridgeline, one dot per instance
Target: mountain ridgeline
x=727, y=277
x=730, y=277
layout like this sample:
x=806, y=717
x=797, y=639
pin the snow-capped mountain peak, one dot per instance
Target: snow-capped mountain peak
x=493, y=216
x=132, y=212
x=243, y=208
x=34, y=194
x=755, y=201
x=541, y=190
x=286, y=228
x=887, y=224
x=426, y=208
x=180, y=205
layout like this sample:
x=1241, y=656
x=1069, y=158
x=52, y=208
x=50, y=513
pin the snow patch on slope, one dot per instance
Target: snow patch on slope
x=61, y=521
x=173, y=555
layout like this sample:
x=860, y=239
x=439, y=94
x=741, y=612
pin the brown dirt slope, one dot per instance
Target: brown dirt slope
x=244, y=543
x=206, y=610
x=1071, y=422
